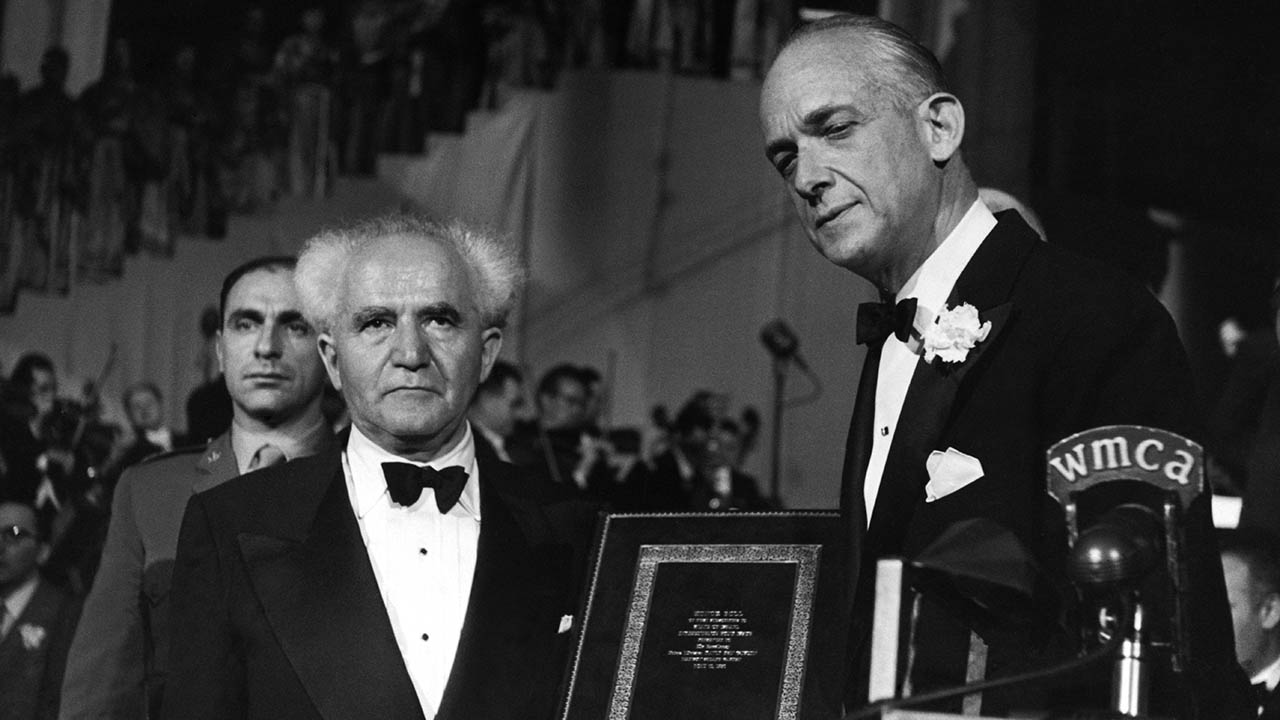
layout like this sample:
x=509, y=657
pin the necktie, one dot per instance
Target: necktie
x=266, y=456
x=406, y=482
x=1261, y=694
x=878, y=320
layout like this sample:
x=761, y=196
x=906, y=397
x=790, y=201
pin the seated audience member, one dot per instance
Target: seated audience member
x=626, y=472
x=274, y=375
x=142, y=405
x=402, y=575
x=37, y=619
x=553, y=444
x=674, y=478
x=58, y=454
x=495, y=408
x=33, y=390
x=593, y=415
x=718, y=482
x=1251, y=566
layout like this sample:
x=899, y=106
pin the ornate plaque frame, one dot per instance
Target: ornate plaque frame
x=792, y=563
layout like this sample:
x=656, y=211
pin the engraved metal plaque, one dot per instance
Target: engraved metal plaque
x=700, y=615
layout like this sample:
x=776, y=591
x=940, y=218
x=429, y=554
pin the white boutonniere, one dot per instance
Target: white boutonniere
x=32, y=636
x=953, y=334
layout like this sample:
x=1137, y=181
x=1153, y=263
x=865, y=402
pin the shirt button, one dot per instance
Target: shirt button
x=424, y=636
x=884, y=431
x=422, y=551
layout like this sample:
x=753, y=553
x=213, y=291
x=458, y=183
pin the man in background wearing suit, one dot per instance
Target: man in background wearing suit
x=36, y=619
x=495, y=409
x=1251, y=565
x=403, y=576
x=1001, y=345
x=275, y=377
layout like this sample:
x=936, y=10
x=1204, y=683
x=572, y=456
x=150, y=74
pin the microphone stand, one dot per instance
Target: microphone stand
x=775, y=463
x=1131, y=673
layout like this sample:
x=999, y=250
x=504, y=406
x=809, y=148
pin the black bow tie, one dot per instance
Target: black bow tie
x=405, y=483
x=878, y=320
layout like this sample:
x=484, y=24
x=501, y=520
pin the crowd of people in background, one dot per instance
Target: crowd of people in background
x=147, y=155
x=60, y=454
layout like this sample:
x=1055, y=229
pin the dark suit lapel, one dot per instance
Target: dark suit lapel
x=516, y=577
x=1270, y=706
x=319, y=593
x=857, y=454
x=986, y=283
x=41, y=612
x=989, y=278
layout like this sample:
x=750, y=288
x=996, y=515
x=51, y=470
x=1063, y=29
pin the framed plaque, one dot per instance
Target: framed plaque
x=733, y=615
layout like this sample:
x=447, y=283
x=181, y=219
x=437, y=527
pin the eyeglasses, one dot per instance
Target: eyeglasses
x=15, y=534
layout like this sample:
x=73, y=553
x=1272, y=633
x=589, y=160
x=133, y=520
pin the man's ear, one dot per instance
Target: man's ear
x=1269, y=611
x=329, y=355
x=941, y=122
x=491, y=345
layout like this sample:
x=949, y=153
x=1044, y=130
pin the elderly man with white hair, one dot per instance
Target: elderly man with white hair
x=400, y=575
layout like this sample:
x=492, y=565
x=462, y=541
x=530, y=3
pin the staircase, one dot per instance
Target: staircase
x=151, y=312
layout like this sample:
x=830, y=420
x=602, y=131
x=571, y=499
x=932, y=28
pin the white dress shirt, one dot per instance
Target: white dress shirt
x=424, y=561
x=160, y=437
x=930, y=284
x=1269, y=675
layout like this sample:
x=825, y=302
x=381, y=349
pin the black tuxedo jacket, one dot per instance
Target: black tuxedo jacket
x=34, y=653
x=1073, y=345
x=277, y=613
x=1269, y=705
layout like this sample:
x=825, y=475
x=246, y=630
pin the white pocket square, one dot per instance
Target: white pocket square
x=948, y=472
x=566, y=623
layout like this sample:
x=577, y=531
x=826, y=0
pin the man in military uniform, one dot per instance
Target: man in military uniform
x=267, y=353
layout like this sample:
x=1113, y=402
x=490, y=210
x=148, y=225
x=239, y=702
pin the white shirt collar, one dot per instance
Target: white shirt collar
x=1269, y=675
x=932, y=282
x=365, y=458
x=162, y=437
x=683, y=465
x=17, y=600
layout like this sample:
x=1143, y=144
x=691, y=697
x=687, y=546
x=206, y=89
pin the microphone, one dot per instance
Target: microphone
x=1125, y=491
x=1120, y=548
x=781, y=342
